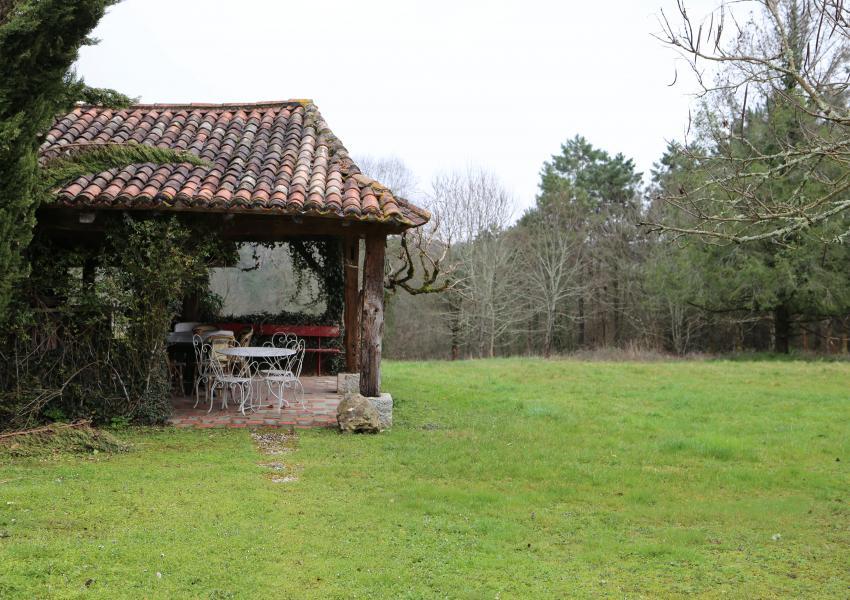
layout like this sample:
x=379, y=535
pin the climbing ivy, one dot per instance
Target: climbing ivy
x=90, y=329
x=91, y=322
x=324, y=259
x=321, y=258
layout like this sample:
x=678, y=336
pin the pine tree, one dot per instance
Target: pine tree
x=600, y=193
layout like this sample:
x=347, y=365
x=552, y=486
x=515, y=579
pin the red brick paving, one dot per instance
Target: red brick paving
x=320, y=398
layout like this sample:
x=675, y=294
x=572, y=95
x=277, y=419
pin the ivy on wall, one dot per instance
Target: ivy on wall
x=89, y=334
x=89, y=330
x=322, y=259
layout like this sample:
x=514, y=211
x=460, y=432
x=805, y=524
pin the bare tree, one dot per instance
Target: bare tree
x=552, y=264
x=786, y=57
x=416, y=260
x=470, y=202
x=474, y=210
x=392, y=172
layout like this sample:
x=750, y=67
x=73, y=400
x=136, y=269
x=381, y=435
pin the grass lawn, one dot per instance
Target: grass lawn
x=503, y=478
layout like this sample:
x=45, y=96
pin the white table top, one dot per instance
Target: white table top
x=257, y=351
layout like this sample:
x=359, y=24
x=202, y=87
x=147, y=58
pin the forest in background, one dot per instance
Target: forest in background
x=579, y=271
x=734, y=242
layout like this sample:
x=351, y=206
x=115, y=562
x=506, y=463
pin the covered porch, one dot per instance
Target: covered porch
x=273, y=173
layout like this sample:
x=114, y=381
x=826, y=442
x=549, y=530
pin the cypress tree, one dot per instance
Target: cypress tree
x=39, y=42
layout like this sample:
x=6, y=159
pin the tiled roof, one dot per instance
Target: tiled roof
x=271, y=157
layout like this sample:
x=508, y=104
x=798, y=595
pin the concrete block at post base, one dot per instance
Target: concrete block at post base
x=348, y=383
x=384, y=405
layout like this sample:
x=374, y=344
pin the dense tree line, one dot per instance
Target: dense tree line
x=579, y=270
x=735, y=241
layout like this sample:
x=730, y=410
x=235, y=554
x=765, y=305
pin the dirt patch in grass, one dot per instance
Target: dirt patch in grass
x=284, y=479
x=276, y=443
x=274, y=466
x=60, y=438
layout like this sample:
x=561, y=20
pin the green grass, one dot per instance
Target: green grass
x=504, y=478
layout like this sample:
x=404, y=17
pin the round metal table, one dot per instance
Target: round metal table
x=257, y=352
x=275, y=375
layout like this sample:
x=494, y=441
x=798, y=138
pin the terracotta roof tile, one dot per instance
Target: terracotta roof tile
x=277, y=157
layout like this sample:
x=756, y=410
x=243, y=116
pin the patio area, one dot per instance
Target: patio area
x=320, y=398
x=270, y=174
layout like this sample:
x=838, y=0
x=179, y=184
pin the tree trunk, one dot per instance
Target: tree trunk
x=455, y=330
x=351, y=261
x=615, y=306
x=372, y=319
x=604, y=316
x=782, y=328
x=830, y=343
x=581, y=321
x=491, y=346
x=191, y=307
x=454, y=324
x=547, y=345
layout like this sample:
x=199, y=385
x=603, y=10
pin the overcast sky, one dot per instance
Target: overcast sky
x=440, y=84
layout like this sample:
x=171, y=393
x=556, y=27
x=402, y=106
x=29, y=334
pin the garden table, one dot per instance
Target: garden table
x=257, y=352
x=273, y=355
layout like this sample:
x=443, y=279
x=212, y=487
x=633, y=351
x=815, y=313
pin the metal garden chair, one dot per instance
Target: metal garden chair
x=230, y=375
x=203, y=372
x=285, y=374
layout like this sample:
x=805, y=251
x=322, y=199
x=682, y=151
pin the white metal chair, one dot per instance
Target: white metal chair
x=230, y=375
x=203, y=373
x=280, y=340
x=285, y=374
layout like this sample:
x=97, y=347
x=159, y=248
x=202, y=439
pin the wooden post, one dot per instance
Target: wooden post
x=372, y=319
x=191, y=307
x=351, y=316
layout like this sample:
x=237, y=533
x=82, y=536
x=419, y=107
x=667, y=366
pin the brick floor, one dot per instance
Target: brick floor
x=320, y=398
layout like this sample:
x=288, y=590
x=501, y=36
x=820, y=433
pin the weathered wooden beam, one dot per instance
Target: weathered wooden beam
x=351, y=316
x=191, y=307
x=239, y=226
x=372, y=318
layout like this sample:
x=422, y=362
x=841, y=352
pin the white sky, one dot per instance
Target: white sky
x=440, y=84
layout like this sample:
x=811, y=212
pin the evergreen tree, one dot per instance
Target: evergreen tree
x=39, y=42
x=800, y=277
x=597, y=194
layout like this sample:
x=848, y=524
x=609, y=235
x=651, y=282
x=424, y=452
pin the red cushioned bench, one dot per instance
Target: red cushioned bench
x=319, y=332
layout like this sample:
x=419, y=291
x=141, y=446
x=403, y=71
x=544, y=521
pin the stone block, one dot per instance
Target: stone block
x=348, y=383
x=384, y=405
x=357, y=414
